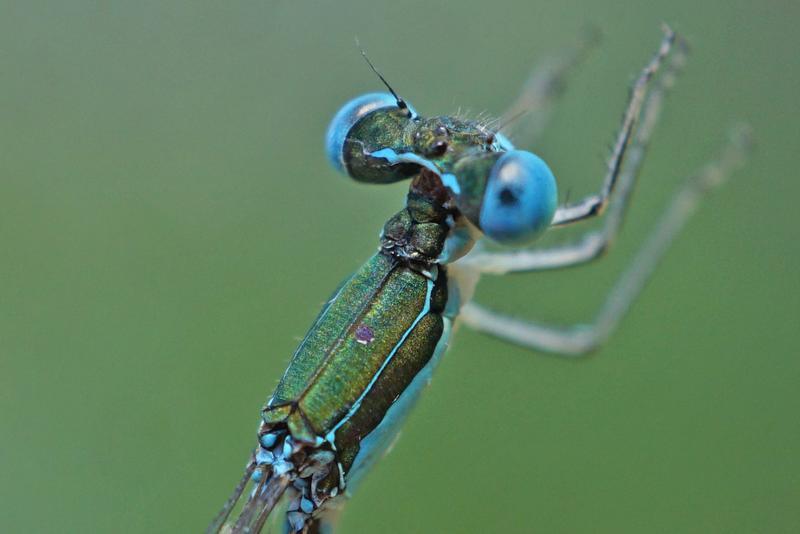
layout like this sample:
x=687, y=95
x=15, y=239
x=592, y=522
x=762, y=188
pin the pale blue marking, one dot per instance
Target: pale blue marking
x=257, y=475
x=451, y=182
x=264, y=457
x=393, y=158
x=281, y=467
x=296, y=521
x=375, y=444
x=306, y=505
x=268, y=440
x=331, y=436
x=412, y=111
x=503, y=142
x=457, y=243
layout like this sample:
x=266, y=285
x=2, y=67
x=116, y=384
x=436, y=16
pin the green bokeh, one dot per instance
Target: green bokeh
x=169, y=227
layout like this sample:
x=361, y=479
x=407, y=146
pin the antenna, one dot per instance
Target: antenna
x=400, y=102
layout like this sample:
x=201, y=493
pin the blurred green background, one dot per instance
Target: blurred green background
x=169, y=228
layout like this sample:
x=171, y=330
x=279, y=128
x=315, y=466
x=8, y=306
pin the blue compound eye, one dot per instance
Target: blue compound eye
x=520, y=198
x=347, y=117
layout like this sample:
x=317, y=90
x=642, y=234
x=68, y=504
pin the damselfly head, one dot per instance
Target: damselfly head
x=510, y=195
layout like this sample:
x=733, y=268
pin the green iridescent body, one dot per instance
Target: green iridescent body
x=371, y=339
x=333, y=367
x=373, y=346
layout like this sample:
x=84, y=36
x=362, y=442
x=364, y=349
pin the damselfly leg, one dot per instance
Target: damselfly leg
x=593, y=205
x=581, y=339
x=592, y=244
x=530, y=112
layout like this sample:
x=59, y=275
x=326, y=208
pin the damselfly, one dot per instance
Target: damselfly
x=374, y=345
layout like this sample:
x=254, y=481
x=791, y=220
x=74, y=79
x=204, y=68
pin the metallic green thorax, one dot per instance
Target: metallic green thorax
x=371, y=339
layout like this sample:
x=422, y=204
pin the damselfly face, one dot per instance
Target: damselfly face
x=446, y=139
x=510, y=195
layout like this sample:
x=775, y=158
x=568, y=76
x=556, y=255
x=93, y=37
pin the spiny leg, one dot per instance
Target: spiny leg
x=581, y=339
x=546, y=84
x=595, y=204
x=593, y=244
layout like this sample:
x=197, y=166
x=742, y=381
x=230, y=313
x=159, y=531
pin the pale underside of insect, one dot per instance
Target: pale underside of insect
x=374, y=345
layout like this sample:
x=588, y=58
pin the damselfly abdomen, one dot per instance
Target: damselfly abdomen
x=374, y=345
